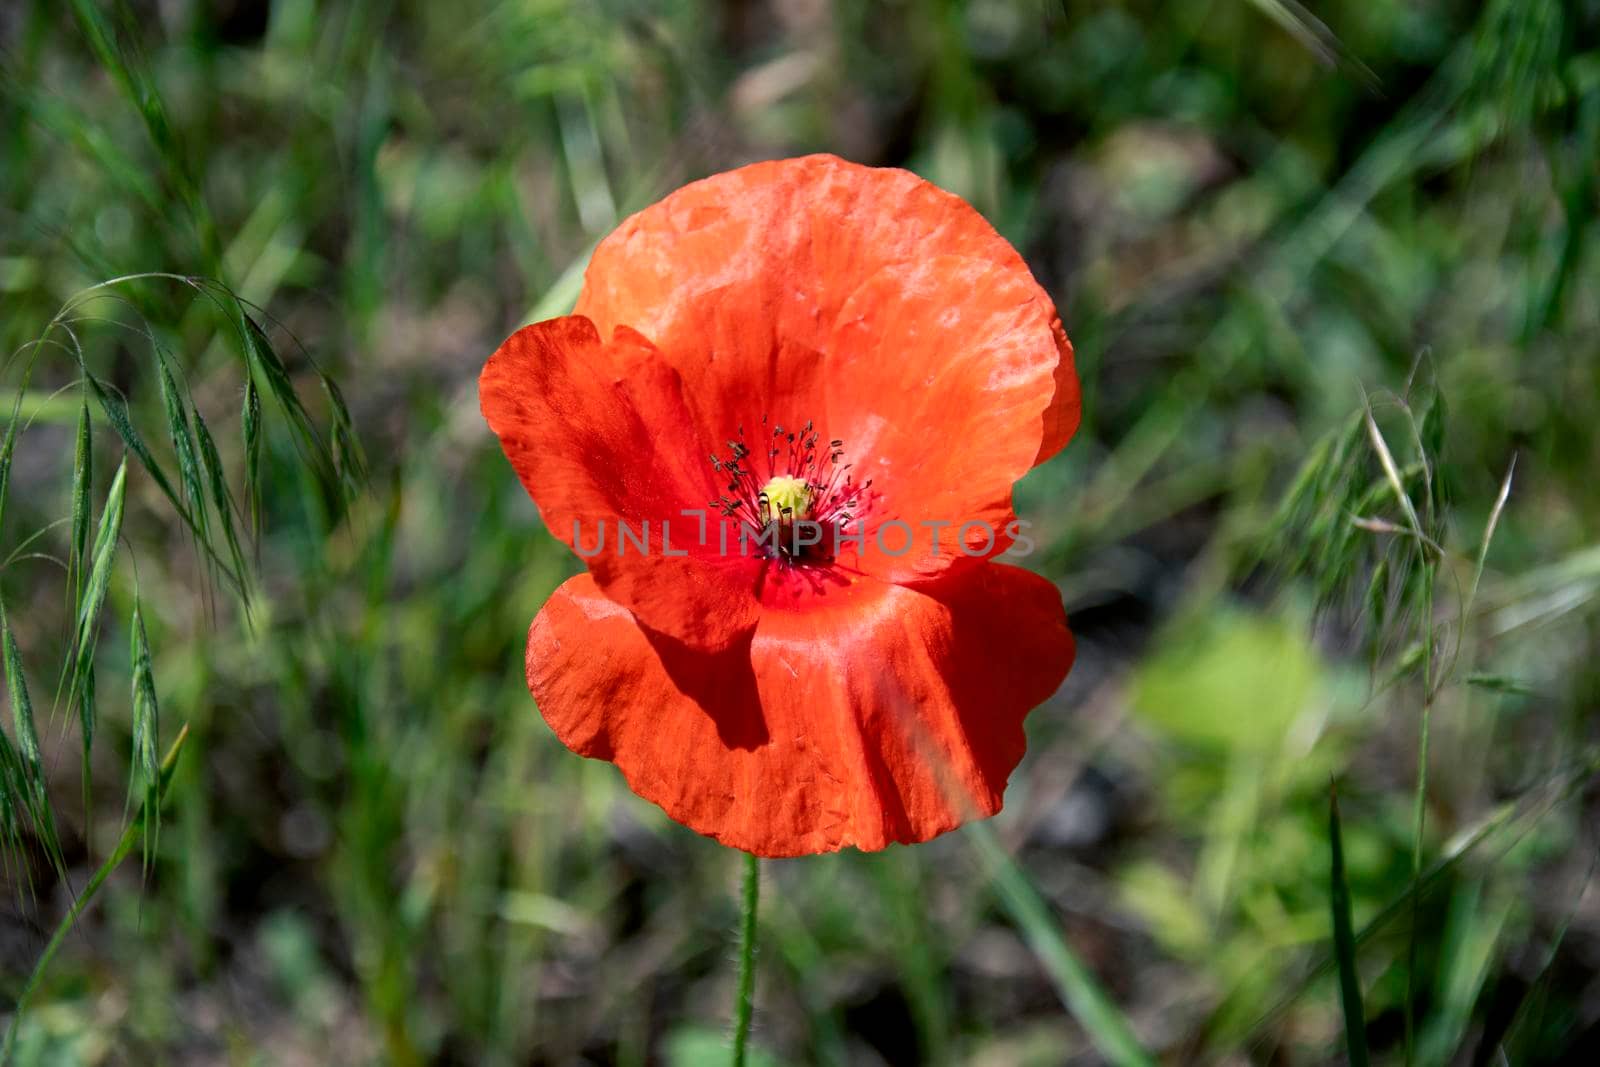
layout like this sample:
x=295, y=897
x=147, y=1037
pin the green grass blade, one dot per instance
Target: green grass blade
x=1315, y=36
x=7, y=450
x=1344, y=943
x=119, y=56
x=86, y=721
x=21, y=707
x=13, y=792
x=130, y=837
x=250, y=423
x=146, y=729
x=221, y=497
x=1420, y=800
x=116, y=412
x=1391, y=472
x=1532, y=1001
x=269, y=367
x=81, y=683
x=347, y=458
x=182, y=444
x=82, y=505
x=1080, y=993
x=1430, y=438
x=1488, y=538
x=1520, y=814
x=27, y=765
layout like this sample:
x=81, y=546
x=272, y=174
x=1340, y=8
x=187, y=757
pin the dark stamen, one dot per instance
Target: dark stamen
x=832, y=495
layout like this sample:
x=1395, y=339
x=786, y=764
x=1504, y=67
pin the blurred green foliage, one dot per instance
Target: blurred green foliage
x=1228, y=680
x=1252, y=216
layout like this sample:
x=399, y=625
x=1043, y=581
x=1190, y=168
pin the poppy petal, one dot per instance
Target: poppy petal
x=741, y=278
x=945, y=434
x=891, y=714
x=1066, y=404
x=601, y=438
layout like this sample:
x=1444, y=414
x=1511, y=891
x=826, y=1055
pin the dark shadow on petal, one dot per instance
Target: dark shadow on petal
x=722, y=683
x=896, y=824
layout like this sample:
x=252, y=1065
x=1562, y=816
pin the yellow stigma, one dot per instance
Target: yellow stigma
x=787, y=498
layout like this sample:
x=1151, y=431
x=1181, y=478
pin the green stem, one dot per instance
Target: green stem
x=744, y=1006
x=1420, y=812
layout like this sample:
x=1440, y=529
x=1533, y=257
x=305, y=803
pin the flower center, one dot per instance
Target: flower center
x=788, y=498
x=797, y=483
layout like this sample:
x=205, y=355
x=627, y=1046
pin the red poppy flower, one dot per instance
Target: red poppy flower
x=782, y=428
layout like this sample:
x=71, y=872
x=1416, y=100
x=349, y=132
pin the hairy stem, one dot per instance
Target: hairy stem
x=744, y=1005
